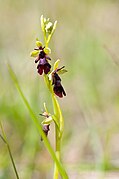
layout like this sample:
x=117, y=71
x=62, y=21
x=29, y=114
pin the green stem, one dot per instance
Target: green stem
x=57, y=152
x=4, y=138
x=59, y=124
x=58, y=133
x=58, y=114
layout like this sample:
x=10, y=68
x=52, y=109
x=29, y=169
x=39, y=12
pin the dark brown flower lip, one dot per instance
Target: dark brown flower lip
x=59, y=90
x=43, y=65
x=57, y=86
x=55, y=78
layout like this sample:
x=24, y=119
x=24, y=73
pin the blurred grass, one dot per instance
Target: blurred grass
x=92, y=84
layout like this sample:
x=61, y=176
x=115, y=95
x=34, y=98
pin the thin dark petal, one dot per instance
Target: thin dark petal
x=47, y=57
x=60, y=68
x=37, y=59
x=36, y=48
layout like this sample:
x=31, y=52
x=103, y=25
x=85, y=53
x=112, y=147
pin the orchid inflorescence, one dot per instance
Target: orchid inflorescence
x=41, y=53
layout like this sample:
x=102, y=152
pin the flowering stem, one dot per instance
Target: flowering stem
x=58, y=128
x=57, y=137
x=53, y=83
x=57, y=152
x=58, y=133
x=58, y=115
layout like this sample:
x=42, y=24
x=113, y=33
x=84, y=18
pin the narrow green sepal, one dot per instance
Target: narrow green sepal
x=34, y=53
x=38, y=43
x=56, y=64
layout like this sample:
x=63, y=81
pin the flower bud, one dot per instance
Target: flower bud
x=49, y=27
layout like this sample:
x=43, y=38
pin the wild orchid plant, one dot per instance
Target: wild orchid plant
x=53, y=83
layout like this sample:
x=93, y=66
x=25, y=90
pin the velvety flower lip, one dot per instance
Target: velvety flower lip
x=43, y=64
x=57, y=88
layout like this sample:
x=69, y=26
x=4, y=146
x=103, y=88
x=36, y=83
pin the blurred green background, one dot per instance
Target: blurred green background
x=87, y=42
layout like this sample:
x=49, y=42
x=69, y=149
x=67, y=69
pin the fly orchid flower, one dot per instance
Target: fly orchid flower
x=41, y=54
